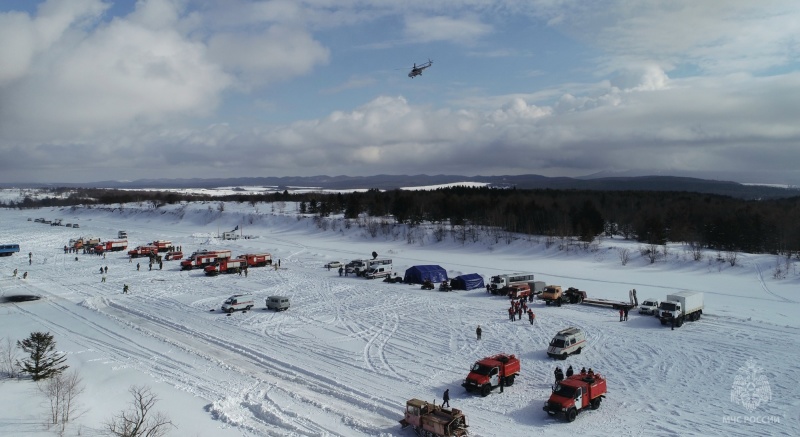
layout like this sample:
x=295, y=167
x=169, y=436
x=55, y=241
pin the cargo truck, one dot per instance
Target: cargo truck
x=680, y=307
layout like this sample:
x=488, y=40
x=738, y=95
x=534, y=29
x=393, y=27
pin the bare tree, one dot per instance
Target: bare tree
x=9, y=358
x=624, y=255
x=62, y=391
x=140, y=420
x=696, y=249
x=731, y=257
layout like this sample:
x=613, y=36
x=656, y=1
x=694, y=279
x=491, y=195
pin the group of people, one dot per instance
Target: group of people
x=623, y=314
x=24, y=275
x=517, y=308
x=560, y=375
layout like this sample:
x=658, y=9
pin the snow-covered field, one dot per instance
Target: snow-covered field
x=349, y=353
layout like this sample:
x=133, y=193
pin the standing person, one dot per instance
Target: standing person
x=519, y=312
x=673, y=323
x=106, y=269
x=621, y=314
x=101, y=270
x=151, y=268
x=25, y=275
x=559, y=374
x=478, y=331
x=125, y=289
x=446, y=398
x=511, y=312
x=341, y=269
x=328, y=266
x=103, y=279
x=279, y=263
x=137, y=266
x=531, y=316
x=245, y=272
x=626, y=313
x=15, y=273
x=570, y=372
x=502, y=383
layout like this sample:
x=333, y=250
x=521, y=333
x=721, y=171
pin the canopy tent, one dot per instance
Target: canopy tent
x=470, y=281
x=417, y=274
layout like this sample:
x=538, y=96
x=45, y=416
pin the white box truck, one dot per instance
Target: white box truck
x=680, y=307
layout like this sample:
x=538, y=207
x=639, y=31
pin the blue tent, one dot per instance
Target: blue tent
x=417, y=274
x=470, y=281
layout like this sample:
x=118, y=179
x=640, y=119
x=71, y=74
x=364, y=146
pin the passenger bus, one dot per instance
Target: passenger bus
x=501, y=283
x=8, y=249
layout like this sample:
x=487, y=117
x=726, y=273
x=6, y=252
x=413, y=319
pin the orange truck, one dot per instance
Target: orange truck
x=257, y=259
x=225, y=265
x=204, y=258
x=488, y=373
x=576, y=394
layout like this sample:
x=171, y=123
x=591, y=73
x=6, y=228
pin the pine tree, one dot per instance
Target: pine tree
x=43, y=361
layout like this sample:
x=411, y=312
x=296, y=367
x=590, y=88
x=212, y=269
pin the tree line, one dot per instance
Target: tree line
x=708, y=221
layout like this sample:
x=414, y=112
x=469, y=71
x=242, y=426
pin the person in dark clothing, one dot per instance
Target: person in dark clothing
x=531, y=317
x=478, y=331
x=125, y=289
x=341, y=270
x=621, y=314
x=502, y=383
x=626, y=313
x=673, y=323
x=559, y=374
x=570, y=372
x=137, y=266
x=446, y=398
x=106, y=269
x=583, y=371
x=101, y=270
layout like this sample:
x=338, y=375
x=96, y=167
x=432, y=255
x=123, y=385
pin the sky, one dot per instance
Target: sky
x=349, y=352
x=120, y=90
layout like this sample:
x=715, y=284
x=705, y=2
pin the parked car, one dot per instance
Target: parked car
x=334, y=265
x=649, y=306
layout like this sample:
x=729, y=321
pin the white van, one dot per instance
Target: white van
x=278, y=303
x=378, y=272
x=238, y=302
x=567, y=342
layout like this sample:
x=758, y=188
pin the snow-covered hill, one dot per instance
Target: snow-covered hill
x=349, y=353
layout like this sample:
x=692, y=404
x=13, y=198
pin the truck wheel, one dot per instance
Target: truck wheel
x=248, y=307
x=510, y=381
x=697, y=315
x=679, y=322
x=564, y=356
x=663, y=322
x=547, y=302
x=578, y=351
x=571, y=413
x=485, y=390
x=230, y=310
x=596, y=403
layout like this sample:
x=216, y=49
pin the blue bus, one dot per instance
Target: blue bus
x=8, y=249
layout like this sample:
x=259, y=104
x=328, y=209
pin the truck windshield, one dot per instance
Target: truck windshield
x=648, y=303
x=669, y=306
x=497, y=280
x=557, y=342
x=481, y=369
x=565, y=391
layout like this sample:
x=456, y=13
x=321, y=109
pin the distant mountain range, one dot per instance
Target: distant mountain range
x=389, y=182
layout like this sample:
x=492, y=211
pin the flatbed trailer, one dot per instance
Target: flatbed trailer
x=616, y=304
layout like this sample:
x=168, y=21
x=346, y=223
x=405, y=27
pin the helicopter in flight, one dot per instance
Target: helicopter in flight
x=417, y=69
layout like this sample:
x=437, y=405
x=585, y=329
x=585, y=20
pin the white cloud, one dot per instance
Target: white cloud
x=275, y=54
x=445, y=28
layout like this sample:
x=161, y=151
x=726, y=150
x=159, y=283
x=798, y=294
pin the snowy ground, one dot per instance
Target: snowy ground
x=349, y=353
